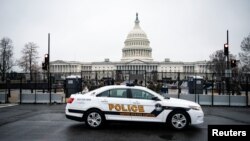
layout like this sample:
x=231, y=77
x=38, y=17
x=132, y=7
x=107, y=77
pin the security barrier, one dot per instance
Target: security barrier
x=210, y=89
x=41, y=98
x=209, y=100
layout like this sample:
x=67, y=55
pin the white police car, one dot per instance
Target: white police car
x=131, y=103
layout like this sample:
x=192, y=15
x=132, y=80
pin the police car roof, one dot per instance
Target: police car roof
x=119, y=86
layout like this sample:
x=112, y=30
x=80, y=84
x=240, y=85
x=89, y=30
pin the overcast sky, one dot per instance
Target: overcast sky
x=91, y=30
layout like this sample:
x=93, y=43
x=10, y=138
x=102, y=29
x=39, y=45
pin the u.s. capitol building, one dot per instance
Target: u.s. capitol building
x=136, y=55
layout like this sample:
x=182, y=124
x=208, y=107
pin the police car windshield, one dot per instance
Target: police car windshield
x=160, y=96
x=156, y=94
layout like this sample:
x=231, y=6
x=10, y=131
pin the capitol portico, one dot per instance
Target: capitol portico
x=136, y=55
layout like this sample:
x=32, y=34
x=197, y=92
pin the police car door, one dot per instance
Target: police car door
x=115, y=103
x=150, y=109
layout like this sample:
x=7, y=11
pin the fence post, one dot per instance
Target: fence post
x=96, y=77
x=228, y=89
x=49, y=88
x=20, y=95
x=9, y=94
x=44, y=81
x=6, y=92
x=213, y=89
x=247, y=90
x=195, y=79
x=81, y=83
x=35, y=88
x=162, y=76
x=129, y=76
x=178, y=85
x=229, y=93
x=196, y=90
x=206, y=79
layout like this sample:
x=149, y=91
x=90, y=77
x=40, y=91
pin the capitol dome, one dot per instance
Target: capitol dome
x=137, y=45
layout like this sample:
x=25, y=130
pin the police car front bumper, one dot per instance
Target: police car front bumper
x=197, y=116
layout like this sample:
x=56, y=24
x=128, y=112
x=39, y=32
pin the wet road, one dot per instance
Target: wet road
x=48, y=122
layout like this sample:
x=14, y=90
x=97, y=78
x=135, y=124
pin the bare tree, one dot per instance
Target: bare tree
x=245, y=54
x=28, y=61
x=217, y=63
x=6, y=55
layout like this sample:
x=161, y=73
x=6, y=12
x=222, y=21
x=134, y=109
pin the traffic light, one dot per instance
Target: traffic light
x=226, y=49
x=47, y=59
x=233, y=63
x=46, y=62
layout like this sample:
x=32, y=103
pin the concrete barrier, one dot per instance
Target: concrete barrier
x=205, y=99
x=3, y=98
x=172, y=95
x=238, y=100
x=25, y=91
x=190, y=97
x=41, y=98
x=221, y=100
x=27, y=98
x=56, y=98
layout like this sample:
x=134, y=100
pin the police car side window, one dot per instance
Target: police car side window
x=139, y=94
x=103, y=94
x=119, y=93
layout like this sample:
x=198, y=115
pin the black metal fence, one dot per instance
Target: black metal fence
x=177, y=84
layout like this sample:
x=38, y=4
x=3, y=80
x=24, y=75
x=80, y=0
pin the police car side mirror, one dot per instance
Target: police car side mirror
x=155, y=98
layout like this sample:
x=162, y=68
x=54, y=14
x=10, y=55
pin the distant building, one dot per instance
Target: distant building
x=136, y=56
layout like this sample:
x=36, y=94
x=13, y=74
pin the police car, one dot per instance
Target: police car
x=131, y=103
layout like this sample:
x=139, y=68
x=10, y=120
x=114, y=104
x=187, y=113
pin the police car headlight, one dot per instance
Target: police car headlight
x=198, y=108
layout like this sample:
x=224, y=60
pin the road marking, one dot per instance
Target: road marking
x=7, y=105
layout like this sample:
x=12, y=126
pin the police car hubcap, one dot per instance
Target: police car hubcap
x=179, y=121
x=94, y=119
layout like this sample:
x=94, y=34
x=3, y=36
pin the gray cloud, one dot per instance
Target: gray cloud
x=84, y=30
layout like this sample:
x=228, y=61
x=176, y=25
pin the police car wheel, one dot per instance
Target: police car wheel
x=178, y=120
x=94, y=119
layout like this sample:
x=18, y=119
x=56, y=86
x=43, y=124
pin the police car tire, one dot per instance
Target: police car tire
x=178, y=120
x=94, y=119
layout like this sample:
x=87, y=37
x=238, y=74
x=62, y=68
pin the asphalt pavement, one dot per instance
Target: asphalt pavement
x=44, y=122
